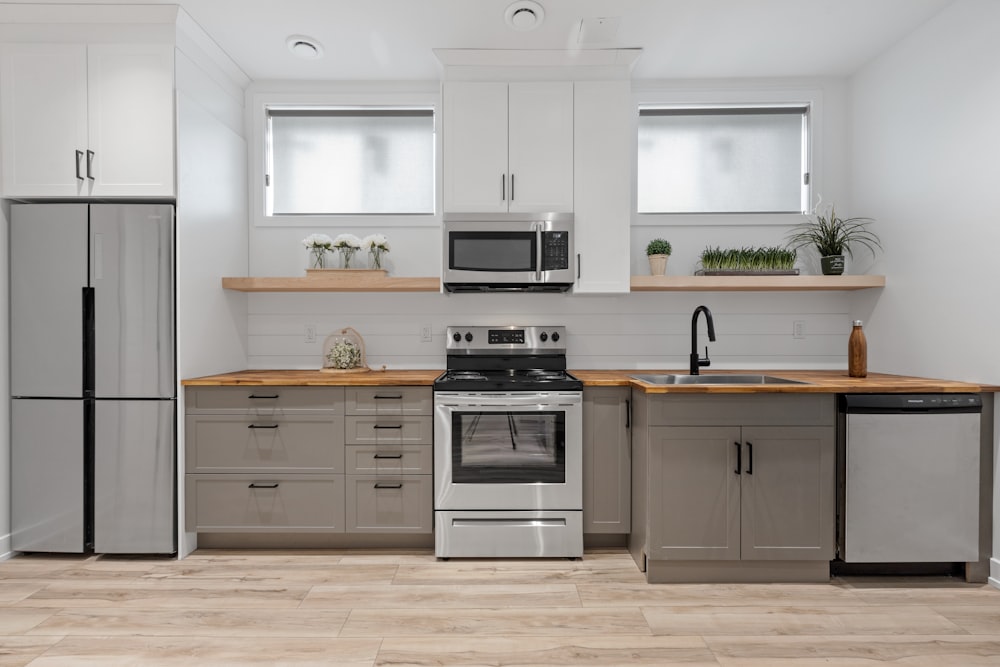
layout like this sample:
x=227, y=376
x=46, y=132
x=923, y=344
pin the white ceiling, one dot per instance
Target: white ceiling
x=393, y=39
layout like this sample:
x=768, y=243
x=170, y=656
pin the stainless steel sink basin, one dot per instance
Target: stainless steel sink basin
x=714, y=379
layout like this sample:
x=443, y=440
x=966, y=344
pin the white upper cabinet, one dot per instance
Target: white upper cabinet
x=603, y=154
x=87, y=120
x=508, y=147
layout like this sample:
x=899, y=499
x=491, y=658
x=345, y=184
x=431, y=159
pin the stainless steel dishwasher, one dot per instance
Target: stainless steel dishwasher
x=910, y=478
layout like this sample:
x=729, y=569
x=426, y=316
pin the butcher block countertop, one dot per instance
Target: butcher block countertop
x=819, y=382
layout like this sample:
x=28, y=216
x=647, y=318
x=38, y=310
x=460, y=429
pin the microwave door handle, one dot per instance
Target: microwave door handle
x=538, y=251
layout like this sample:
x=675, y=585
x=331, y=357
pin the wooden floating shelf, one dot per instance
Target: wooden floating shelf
x=334, y=283
x=754, y=283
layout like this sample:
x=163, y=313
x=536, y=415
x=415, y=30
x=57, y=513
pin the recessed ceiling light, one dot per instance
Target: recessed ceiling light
x=304, y=47
x=524, y=15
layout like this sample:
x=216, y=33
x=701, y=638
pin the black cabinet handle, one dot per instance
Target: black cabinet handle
x=387, y=456
x=503, y=187
x=255, y=485
x=79, y=157
x=512, y=187
x=263, y=396
x=749, y=458
x=628, y=413
x=739, y=457
x=90, y=164
x=388, y=397
x=579, y=263
x=388, y=486
x=262, y=426
x=394, y=426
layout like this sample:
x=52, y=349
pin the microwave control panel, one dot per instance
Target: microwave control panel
x=555, y=251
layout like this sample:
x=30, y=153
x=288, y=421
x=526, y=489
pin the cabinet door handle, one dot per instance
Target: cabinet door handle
x=79, y=157
x=263, y=396
x=387, y=456
x=262, y=426
x=628, y=413
x=749, y=458
x=379, y=485
x=739, y=457
x=90, y=164
x=579, y=263
x=393, y=426
x=255, y=485
x=388, y=397
x=512, y=187
x=503, y=187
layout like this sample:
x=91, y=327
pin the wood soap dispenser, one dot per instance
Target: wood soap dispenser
x=857, y=352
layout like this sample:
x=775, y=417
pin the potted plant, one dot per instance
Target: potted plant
x=658, y=250
x=833, y=237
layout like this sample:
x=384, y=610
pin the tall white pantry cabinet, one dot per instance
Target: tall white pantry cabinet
x=87, y=120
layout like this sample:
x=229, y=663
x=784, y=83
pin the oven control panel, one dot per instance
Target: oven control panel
x=509, y=339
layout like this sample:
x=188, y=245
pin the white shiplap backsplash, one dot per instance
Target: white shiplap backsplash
x=639, y=330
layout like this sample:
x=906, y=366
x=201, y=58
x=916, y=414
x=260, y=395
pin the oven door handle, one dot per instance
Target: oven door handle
x=539, y=235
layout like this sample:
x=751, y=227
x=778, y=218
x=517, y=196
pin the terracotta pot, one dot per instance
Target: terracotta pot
x=658, y=264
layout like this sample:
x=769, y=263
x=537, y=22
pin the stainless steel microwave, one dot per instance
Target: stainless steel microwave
x=529, y=252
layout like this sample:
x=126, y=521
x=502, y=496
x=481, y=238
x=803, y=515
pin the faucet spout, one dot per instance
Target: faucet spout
x=696, y=361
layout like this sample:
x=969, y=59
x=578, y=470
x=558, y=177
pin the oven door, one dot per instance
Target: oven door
x=508, y=451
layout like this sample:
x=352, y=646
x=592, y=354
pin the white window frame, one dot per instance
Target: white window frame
x=669, y=96
x=415, y=96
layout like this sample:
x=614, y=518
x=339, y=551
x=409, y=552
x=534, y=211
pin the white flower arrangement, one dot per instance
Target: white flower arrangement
x=344, y=354
x=375, y=242
x=316, y=241
x=377, y=245
x=347, y=241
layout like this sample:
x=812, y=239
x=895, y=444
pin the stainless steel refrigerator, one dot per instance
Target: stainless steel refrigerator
x=93, y=380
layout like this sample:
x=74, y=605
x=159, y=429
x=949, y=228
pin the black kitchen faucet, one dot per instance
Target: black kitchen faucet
x=696, y=361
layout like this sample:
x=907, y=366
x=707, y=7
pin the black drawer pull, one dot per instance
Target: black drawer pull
x=261, y=426
x=395, y=397
x=749, y=458
x=739, y=457
x=395, y=426
x=263, y=396
x=255, y=485
x=388, y=486
x=387, y=456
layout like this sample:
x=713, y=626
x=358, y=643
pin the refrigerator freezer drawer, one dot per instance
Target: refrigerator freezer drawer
x=134, y=477
x=47, y=455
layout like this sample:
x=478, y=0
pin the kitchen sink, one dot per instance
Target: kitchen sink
x=713, y=379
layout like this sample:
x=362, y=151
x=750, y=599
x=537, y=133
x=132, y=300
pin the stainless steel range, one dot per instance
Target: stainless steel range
x=508, y=445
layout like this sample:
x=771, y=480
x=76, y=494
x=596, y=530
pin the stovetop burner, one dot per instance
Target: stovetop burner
x=508, y=358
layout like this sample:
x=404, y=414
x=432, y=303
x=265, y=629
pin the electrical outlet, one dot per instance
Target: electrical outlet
x=426, y=333
x=799, y=329
x=310, y=333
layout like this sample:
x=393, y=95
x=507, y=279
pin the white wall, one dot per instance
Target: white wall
x=622, y=331
x=925, y=139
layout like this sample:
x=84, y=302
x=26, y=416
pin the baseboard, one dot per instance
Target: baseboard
x=994, y=579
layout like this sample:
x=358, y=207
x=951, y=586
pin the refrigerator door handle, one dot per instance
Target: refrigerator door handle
x=89, y=344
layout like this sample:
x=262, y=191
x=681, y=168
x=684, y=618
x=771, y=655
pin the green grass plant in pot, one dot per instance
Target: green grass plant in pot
x=658, y=250
x=834, y=237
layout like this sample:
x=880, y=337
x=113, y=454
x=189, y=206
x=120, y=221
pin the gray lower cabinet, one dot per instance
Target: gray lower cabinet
x=607, y=460
x=751, y=493
x=309, y=459
x=264, y=459
x=734, y=487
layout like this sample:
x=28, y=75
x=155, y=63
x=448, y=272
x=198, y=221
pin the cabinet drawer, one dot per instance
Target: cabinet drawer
x=387, y=430
x=390, y=460
x=403, y=504
x=238, y=443
x=264, y=400
x=389, y=400
x=264, y=504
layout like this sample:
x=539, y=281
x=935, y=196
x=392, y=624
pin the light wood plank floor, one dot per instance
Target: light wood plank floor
x=391, y=608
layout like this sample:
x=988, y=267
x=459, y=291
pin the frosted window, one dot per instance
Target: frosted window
x=334, y=161
x=722, y=160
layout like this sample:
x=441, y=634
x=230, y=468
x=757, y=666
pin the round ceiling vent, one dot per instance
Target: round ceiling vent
x=304, y=47
x=524, y=15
